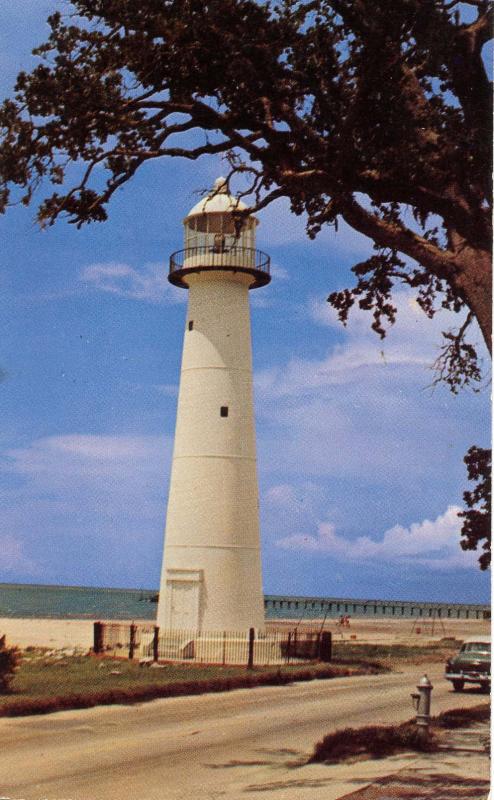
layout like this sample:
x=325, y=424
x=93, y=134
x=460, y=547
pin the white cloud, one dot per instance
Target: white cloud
x=290, y=507
x=343, y=365
x=82, y=449
x=119, y=475
x=168, y=389
x=300, y=500
x=260, y=300
x=278, y=272
x=149, y=284
x=266, y=299
x=361, y=410
x=283, y=494
x=81, y=500
x=430, y=543
x=280, y=226
x=14, y=558
x=411, y=343
x=414, y=338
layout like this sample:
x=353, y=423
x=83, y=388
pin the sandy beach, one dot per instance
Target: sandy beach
x=396, y=631
x=78, y=633
x=53, y=633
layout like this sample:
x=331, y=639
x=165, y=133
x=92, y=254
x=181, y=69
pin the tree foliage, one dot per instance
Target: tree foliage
x=477, y=519
x=366, y=110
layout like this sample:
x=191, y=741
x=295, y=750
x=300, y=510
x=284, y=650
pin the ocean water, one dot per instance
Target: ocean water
x=75, y=602
x=82, y=602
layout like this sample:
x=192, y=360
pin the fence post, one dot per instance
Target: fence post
x=98, y=637
x=252, y=636
x=288, y=647
x=156, y=639
x=132, y=640
x=326, y=646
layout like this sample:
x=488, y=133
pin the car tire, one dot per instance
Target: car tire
x=458, y=686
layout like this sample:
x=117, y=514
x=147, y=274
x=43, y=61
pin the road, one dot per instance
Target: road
x=228, y=745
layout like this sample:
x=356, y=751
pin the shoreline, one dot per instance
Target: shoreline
x=58, y=634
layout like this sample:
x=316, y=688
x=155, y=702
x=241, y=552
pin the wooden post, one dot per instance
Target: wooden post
x=326, y=646
x=156, y=639
x=132, y=640
x=288, y=647
x=252, y=636
x=98, y=637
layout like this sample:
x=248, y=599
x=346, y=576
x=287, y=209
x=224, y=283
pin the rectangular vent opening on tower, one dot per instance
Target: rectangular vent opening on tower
x=191, y=324
x=224, y=411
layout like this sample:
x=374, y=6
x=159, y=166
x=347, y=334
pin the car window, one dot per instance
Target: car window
x=476, y=647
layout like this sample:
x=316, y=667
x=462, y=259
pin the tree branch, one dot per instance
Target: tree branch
x=392, y=234
x=457, y=364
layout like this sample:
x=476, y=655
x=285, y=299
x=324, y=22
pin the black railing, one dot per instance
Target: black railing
x=222, y=258
x=147, y=642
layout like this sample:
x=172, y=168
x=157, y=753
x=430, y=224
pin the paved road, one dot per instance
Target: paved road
x=235, y=744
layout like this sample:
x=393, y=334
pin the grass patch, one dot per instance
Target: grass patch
x=42, y=677
x=43, y=684
x=390, y=654
x=379, y=741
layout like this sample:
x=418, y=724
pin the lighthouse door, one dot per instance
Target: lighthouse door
x=184, y=605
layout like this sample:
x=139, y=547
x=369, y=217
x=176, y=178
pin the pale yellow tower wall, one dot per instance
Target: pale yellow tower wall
x=211, y=578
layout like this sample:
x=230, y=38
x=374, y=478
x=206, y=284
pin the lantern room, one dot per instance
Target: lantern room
x=213, y=222
x=218, y=237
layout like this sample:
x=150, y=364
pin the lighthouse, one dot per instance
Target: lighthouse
x=211, y=576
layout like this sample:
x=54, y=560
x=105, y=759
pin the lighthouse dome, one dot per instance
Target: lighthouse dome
x=217, y=201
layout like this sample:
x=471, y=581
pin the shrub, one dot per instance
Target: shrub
x=375, y=741
x=9, y=660
x=378, y=741
x=462, y=717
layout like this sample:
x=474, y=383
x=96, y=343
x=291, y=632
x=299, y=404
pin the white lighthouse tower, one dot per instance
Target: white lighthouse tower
x=211, y=577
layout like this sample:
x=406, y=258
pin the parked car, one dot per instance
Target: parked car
x=472, y=664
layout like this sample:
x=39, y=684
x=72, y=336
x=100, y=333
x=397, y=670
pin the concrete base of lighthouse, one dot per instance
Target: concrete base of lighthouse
x=211, y=578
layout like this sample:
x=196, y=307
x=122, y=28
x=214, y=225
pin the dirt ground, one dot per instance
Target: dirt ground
x=61, y=633
x=394, y=631
x=241, y=745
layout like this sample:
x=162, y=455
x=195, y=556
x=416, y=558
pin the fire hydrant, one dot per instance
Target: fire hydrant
x=422, y=704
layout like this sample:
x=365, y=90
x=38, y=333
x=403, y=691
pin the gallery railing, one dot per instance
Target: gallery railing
x=219, y=258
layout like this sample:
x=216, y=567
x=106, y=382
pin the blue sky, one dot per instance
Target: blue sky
x=360, y=462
